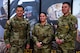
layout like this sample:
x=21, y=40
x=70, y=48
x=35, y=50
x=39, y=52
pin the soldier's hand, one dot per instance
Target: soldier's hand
x=27, y=46
x=38, y=44
x=8, y=45
x=8, y=22
x=55, y=26
x=59, y=41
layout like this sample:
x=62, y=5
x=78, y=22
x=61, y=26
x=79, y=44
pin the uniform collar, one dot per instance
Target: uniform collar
x=19, y=17
x=67, y=15
x=44, y=24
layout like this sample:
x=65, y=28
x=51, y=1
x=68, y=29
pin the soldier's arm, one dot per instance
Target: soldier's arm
x=57, y=29
x=48, y=39
x=28, y=36
x=35, y=39
x=7, y=33
x=73, y=27
x=73, y=23
x=34, y=36
x=28, y=33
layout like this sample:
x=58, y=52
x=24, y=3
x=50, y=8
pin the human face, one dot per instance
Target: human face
x=42, y=17
x=65, y=8
x=19, y=11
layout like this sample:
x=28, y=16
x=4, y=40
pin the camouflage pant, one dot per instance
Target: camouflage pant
x=66, y=51
x=15, y=49
x=42, y=50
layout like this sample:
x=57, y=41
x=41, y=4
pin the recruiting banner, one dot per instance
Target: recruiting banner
x=53, y=8
x=3, y=15
x=3, y=19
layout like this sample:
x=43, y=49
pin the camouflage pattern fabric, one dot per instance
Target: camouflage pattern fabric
x=17, y=34
x=67, y=31
x=42, y=33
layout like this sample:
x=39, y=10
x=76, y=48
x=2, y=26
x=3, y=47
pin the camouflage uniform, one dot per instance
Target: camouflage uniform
x=17, y=34
x=67, y=28
x=42, y=33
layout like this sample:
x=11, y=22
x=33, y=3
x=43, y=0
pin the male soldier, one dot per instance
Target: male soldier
x=16, y=34
x=66, y=31
x=42, y=35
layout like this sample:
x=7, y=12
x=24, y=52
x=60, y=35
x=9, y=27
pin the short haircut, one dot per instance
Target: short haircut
x=67, y=3
x=19, y=6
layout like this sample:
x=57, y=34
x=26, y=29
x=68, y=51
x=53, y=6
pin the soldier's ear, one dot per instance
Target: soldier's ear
x=70, y=9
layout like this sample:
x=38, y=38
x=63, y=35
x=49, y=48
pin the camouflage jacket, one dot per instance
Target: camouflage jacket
x=17, y=31
x=42, y=33
x=67, y=29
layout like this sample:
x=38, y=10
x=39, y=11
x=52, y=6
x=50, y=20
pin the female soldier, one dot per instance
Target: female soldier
x=42, y=35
